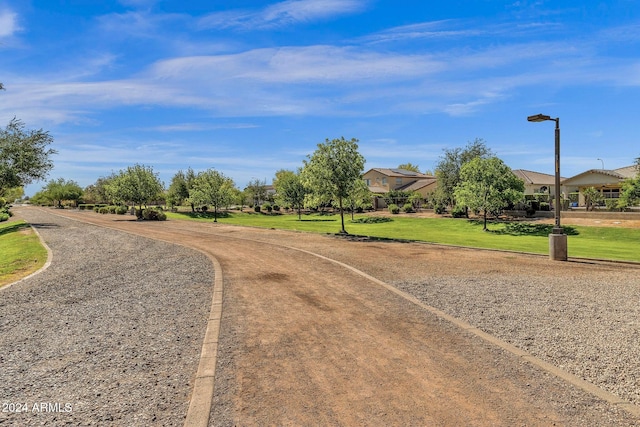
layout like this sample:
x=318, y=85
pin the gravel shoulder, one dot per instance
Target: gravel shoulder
x=109, y=334
x=305, y=342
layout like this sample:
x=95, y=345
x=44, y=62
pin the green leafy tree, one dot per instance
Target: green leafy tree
x=137, y=184
x=359, y=198
x=98, y=191
x=13, y=193
x=212, y=188
x=409, y=167
x=24, y=155
x=630, y=194
x=60, y=190
x=488, y=185
x=257, y=191
x=178, y=191
x=591, y=197
x=290, y=190
x=449, y=166
x=333, y=171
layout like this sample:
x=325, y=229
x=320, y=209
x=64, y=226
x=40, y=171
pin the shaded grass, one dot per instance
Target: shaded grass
x=588, y=242
x=22, y=252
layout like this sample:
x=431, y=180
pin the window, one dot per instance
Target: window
x=384, y=181
x=367, y=181
x=611, y=193
x=398, y=181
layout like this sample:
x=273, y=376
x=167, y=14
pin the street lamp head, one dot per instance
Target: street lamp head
x=539, y=118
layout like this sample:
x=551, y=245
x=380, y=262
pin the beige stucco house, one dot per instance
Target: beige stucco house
x=608, y=182
x=382, y=180
x=536, y=182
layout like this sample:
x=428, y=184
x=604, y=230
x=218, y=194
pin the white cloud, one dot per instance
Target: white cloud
x=8, y=23
x=282, y=14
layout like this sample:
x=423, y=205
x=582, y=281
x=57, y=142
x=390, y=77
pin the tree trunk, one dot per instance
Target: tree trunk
x=342, y=216
x=484, y=227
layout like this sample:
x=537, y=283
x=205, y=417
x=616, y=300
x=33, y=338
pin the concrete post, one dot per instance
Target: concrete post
x=558, y=247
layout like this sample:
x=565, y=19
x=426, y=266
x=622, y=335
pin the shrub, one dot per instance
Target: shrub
x=121, y=210
x=276, y=208
x=4, y=216
x=439, y=209
x=612, y=204
x=459, y=212
x=153, y=214
x=394, y=209
x=256, y=208
x=407, y=208
x=267, y=207
x=544, y=206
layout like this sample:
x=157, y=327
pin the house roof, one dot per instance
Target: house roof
x=628, y=171
x=620, y=173
x=377, y=190
x=399, y=173
x=535, y=178
x=417, y=185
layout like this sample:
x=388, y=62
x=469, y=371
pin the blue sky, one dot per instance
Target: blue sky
x=250, y=87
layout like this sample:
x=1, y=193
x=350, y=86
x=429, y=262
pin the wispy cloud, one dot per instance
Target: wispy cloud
x=8, y=23
x=282, y=14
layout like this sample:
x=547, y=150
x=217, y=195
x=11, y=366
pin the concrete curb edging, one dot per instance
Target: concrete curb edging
x=202, y=395
x=41, y=269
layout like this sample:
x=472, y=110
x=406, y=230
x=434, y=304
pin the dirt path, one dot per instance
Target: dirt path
x=307, y=342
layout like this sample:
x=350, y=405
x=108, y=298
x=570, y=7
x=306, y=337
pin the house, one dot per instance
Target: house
x=607, y=182
x=536, y=182
x=381, y=180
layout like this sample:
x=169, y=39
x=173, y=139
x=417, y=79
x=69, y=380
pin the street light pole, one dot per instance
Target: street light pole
x=557, y=238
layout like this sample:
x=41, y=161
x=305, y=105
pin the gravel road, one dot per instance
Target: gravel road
x=110, y=336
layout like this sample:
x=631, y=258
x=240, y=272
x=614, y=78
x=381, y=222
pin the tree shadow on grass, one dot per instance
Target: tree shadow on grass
x=527, y=229
x=13, y=228
x=206, y=215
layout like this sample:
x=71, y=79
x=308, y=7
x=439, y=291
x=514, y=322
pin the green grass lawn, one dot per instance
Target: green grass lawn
x=22, y=252
x=588, y=242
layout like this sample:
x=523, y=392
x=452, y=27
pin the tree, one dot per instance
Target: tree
x=591, y=197
x=334, y=170
x=257, y=191
x=137, y=184
x=98, y=191
x=24, y=156
x=179, y=188
x=290, y=190
x=212, y=188
x=448, y=169
x=61, y=189
x=630, y=194
x=409, y=167
x=488, y=185
x=13, y=193
x=359, y=197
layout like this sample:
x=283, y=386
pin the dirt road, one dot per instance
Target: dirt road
x=305, y=341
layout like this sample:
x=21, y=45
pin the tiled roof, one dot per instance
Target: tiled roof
x=400, y=173
x=535, y=178
x=416, y=185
